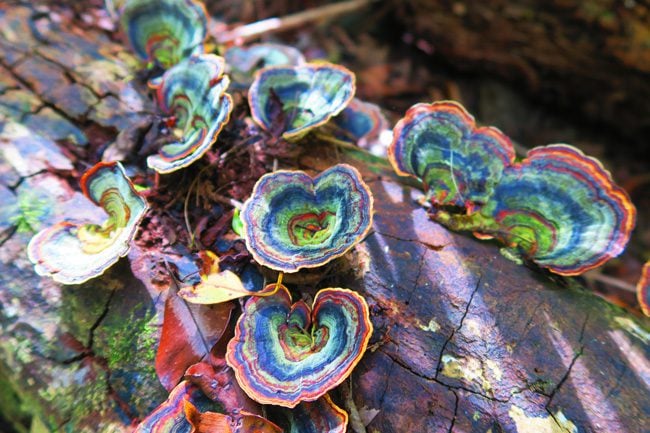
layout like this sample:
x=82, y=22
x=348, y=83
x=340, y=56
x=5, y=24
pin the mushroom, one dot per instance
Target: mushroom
x=320, y=416
x=243, y=62
x=558, y=208
x=458, y=162
x=72, y=252
x=301, y=98
x=362, y=123
x=194, y=94
x=292, y=221
x=283, y=354
x=643, y=289
x=164, y=31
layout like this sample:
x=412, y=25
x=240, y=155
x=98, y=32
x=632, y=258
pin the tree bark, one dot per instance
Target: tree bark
x=464, y=339
x=591, y=57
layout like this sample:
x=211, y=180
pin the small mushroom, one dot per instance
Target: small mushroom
x=559, y=208
x=320, y=416
x=458, y=162
x=643, y=289
x=292, y=221
x=361, y=122
x=73, y=252
x=193, y=94
x=300, y=97
x=164, y=31
x=283, y=354
x=243, y=62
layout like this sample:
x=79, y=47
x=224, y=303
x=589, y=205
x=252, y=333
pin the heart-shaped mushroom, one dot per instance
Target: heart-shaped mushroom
x=292, y=221
x=74, y=252
x=301, y=97
x=283, y=354
x=164, y=31
x=458, y=162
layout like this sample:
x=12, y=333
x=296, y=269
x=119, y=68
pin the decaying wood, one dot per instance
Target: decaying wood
x=591, y=57
x=465, y=341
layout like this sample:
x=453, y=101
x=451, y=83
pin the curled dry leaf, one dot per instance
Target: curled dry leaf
x=216, y=286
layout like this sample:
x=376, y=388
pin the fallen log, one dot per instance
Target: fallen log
x=464, y=339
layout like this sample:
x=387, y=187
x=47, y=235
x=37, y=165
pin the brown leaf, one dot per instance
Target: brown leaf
x=188, y=334
x=211, y=422
x=208, y=422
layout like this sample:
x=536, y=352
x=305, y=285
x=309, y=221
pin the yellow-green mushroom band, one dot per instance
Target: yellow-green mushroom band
x=293, y=221
x=72, y=252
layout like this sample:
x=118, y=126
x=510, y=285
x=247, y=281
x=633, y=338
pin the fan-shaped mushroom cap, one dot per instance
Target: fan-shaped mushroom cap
x=292, y=221
x=194, y=93
x=74, y=252
x=164, y=31
x=441, y=145
x=283, y=354
x=302, y=97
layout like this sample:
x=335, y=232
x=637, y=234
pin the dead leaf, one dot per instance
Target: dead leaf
x=189, y=332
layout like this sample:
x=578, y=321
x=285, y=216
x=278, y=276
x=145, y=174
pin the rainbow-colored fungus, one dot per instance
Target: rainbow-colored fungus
x=243, y=62
x=301, y=97
x=284, y=353
x=361, y=122
x=320, y=416
x=559, y=208
x=164, y=31
x=292, y=221
x=643, y=289
x=74, y=252
x=170, y=416
x=193, y=94
x=458, y=162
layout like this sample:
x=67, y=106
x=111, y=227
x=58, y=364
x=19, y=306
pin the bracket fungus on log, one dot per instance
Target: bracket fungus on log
x=244, y=62
x=164, y=31
x=292, y=221
x=283, y=354
x=559, y=208
x=361, y=122
x=306, y=96
x=643, y=289
x=194, y=93
x=458, y=162
x=74, y=252
x=320, y=416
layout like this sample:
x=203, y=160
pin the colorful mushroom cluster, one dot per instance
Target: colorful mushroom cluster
x=557, y=207
x=285, y=352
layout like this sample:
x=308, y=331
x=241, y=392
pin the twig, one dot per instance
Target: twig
x=272, y=25
x=606, y=279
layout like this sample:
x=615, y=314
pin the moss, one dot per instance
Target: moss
x=31, y=209
x=12, y=409
x=130, y=353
